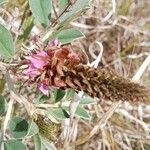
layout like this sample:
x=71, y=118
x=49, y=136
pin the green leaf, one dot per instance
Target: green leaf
x=14, y=145
x=77, y=8
x=33, y=129
x=47, y=144
x=3, y=1
x=42, y=99
x=87, y=100
x=37, y=142
x=62, y=5
x=80, y=4
x=3, y=105
x=58, y=113
x=18, y=127
x=7, y=47
x=41, y=10
x=69, y=94
x=82, y=113
x=59, y=94
x=69, y=35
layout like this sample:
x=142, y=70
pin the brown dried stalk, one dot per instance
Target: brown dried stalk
x=105, y=84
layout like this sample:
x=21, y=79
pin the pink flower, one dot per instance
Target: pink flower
x=45, y=67
x=37, y=63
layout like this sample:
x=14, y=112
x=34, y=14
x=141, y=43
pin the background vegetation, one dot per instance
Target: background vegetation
x=117, y=36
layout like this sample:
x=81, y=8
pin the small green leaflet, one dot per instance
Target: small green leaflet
x=7, y=48
x=69, y=35
x=14, y=145
x=41, y=10
x=37, y=142
x=42, y=144
x=18, y=127
x=47, y=144
x=58, y=113
x=41, y=99
x=69, y=94
x=33, y=129
x=87, y=100
x=80, y=112
x=59, y=94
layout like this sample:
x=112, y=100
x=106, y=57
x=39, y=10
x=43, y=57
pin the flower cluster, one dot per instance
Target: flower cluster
x=46, y=67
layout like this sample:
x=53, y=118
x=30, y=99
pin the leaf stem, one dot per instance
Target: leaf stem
x=66, y=9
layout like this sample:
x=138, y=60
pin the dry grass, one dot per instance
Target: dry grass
x=117, y=36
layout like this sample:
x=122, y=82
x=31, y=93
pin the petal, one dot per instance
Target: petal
x=61, y=53
x=59, y=68
x=53, y=44
x=74, y=56
x=42, y=54
x=58, y=82
x=31, y=72
x=43, y=88
x=39, y=60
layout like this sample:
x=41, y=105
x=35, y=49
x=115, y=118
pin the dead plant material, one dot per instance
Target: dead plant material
x=106, y=84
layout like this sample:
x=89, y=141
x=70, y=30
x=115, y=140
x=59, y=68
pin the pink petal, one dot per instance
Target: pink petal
x=43, y=88
x=42, y=54
x=39, y=60
x=53, y=44
x=31, y=72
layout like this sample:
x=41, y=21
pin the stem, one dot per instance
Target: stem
x=14, y=94
x=8, y=115
x=55, y=22
x=56, y=15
